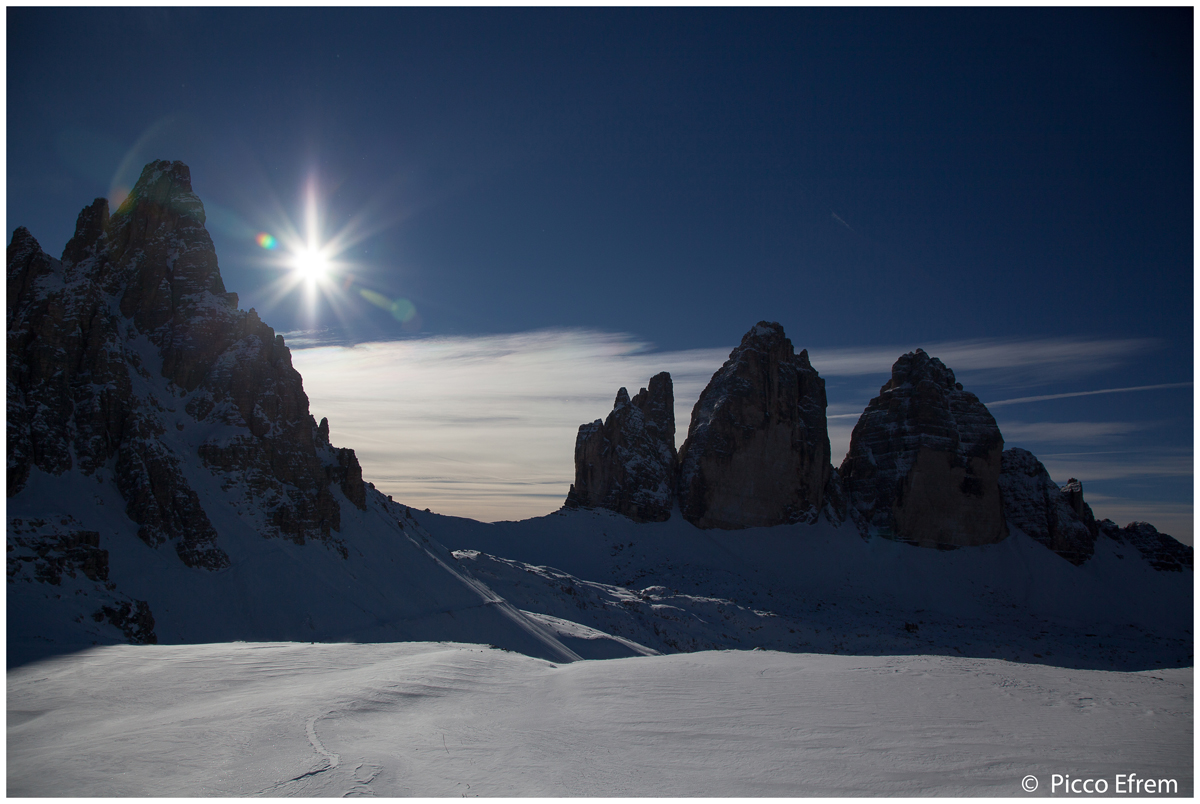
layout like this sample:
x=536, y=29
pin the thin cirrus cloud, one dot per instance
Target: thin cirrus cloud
x=484, y=426
x=1103, y=466
x=1044, y=397
x=1066, y=432
x=1008, y=361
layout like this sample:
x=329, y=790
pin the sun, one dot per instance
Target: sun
x=310, y=265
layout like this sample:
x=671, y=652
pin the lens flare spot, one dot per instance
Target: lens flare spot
x=401, y=309
x=266, y=241
x=117, y=195
x=377, y=299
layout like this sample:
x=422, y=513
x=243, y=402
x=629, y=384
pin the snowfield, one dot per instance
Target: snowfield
x=633, y=659
x=447, y=719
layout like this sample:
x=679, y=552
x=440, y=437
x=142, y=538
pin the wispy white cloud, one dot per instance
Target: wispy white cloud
x=1044, y=397
x=1018, y=432
x=485, y=426
x=1014, y=362
x=1130, y=465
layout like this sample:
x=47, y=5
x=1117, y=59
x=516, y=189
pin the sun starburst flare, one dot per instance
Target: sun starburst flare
x=315, y=266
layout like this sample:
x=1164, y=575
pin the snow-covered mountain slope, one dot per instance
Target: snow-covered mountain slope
x=394, y=582
x=823, y=588
x=419, y=719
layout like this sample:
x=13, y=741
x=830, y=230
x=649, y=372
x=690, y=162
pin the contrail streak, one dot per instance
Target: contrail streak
x=1086, y=393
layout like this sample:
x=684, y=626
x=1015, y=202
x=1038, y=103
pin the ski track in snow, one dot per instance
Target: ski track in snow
x=331, y=762
x=443, y=719
x=331, y=759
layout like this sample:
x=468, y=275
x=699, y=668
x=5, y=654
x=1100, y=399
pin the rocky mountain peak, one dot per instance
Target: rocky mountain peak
x=757, y=451
x=28, y=267
x=160, y=204
x=626, y=463
x=925, y=459
x=1058, y=517
x=129, y=357
x=162, y=256
x=163, y=185
x=769, y=338
x=918, y=367
x=765, y=335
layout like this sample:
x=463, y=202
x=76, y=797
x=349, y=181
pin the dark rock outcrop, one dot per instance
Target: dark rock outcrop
x=133, y=618
x=925, y=459
x=55, y=551
x=1059, y=518
x=627, y=462
x=757, y=450
x=1072, y=490
x=1164, y=553
x=122, y=350
x=50, y=550
x=1056, y=517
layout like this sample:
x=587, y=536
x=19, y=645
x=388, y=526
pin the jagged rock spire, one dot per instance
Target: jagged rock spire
x=757, y=450
x=627, y=462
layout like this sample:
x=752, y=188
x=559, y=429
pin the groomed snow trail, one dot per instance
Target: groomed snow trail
x=442, y=719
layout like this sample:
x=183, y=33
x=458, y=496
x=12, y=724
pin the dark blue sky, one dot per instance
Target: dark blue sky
x=864, y=176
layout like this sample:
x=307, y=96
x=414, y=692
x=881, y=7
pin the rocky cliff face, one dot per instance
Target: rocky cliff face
x=925, y=459
x=128, y=358
x=757, y=450
x=1056, y=517
x=627, y=462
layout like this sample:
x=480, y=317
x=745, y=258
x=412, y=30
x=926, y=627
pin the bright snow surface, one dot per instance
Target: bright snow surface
x=442, y=719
